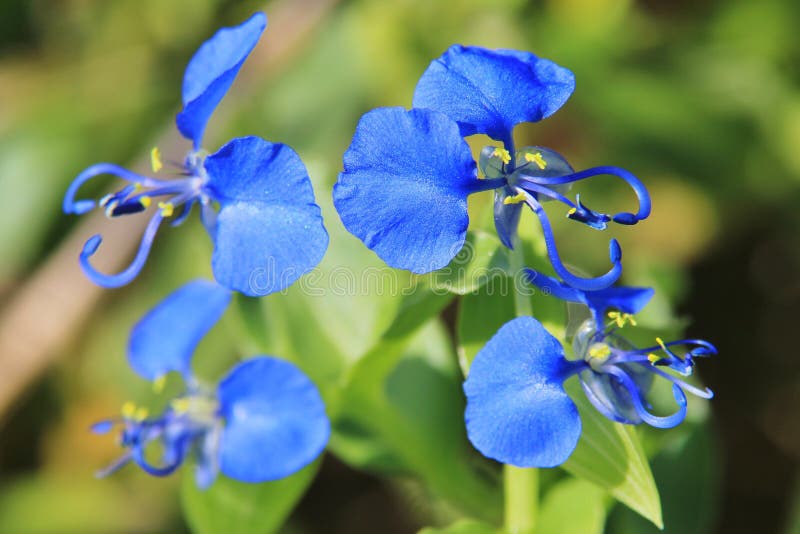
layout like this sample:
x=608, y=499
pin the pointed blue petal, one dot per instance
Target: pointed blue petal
x=275, y=420
x=626, y=299
x=403, y=192
x=269, y=231
x=517, y=410
x=165, y=339
x=491, y=91
x=211, y=72
x=506, y=218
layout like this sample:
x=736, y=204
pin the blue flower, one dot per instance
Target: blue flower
x=264, y=420
x=268, y=230
x=407, y=174
x=517, y=409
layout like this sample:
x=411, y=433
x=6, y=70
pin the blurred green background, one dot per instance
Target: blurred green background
x=700, y=99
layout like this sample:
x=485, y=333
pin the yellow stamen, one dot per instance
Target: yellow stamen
x=503, y=154
x=621, y=319
x=600, y=351
x=537, y=159
x=180, y=405
x=661, y=344
x=159, y=383
x=128, y=410
x=572, y=211
x=516, y=199
x=167, y=209
x=155, y=159
x=653, y=358
x=140, y=414
x=145, y=202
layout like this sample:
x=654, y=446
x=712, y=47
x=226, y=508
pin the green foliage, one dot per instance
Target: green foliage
x=233, y=506
x=479, y=262
x=687, y=468
x=610, y=455
x=401, y=412
x=573, y=506
x=463, y=526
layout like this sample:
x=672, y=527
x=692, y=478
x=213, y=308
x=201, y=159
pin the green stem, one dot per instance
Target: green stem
x=516, y=260
x=522, y=498
x=521, y=485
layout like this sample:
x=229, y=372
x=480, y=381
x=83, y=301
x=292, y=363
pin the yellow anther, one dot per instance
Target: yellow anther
x=537, y=159
x=653, y=358
x=145, y=202
x=137, y=187
x=516, y=199
x=155, y=159
x=128, y=410
x=621, y=319
x=503, y=154
x=140, y=414
x=661, y=344
x=600, y=351
x=159, y=383
x=572, y=211
x=167, y=209
x=181, y=405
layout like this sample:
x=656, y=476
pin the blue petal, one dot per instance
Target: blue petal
x=626, y=299
x=165, y=339
x=491, y=91
x=269, y=231
x=610, y=397
x=211, y=72
x=275, y=420
x=517, y=410
x=403, y=192
x=506, y=217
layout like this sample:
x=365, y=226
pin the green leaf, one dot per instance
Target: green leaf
x=402, y=411
x=463, y=526
x=355, y=439
x=688, y=468
x=480, y=260
x=609, y=454
x=480, y=315
x=233, y=506
x=573, y=506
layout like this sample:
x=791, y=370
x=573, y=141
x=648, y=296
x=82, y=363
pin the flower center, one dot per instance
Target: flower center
x=597, y=355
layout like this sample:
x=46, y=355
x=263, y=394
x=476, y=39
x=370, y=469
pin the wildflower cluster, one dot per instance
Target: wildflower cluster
x=403, y=192
x=265, y=419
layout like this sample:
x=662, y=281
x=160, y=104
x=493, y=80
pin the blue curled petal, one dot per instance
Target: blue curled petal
x=269, y=231
x=626, y=299
x=491, y=91
x=517, y=410
x=275, y=420
x=403, y=192
x=211, y=72
x=165, y=339
x=611, y=398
